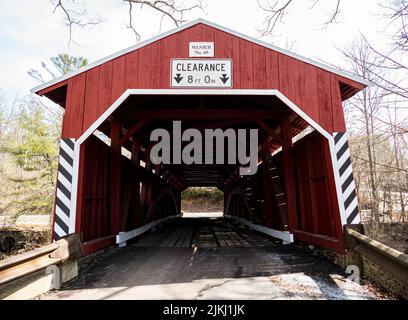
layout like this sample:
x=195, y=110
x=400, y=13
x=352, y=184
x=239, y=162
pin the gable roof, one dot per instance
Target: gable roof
x=213, y=25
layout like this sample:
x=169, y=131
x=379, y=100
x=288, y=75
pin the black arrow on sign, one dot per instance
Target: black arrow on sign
x=224, y=78
x=178, y=77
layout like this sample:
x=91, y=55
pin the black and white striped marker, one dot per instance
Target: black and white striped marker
x=348, y=187
x=64, y=189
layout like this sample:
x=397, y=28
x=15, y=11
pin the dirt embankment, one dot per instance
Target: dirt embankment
x=25, y=234
x=202, y=200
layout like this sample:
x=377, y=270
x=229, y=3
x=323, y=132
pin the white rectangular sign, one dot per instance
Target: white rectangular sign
x=201, y=49
x=200, y=73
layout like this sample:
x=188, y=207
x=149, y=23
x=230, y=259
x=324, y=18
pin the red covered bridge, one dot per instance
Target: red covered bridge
x=108, y=189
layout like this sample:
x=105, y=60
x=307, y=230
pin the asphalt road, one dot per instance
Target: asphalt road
x=209, y=259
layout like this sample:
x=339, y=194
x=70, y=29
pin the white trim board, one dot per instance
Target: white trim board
x=122, y=237
x=285, y=236
x=157, y=92
x=213, y=25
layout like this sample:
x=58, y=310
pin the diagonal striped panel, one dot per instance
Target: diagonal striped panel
x=348, y=187
x=64, y=188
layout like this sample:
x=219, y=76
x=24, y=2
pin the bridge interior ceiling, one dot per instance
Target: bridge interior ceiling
x=140, y=115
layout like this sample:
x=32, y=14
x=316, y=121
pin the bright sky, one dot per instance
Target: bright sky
x=31, y=33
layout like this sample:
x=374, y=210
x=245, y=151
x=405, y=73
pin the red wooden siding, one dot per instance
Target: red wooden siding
x=118, y=77
x=318, y=210
x=95, y=219
x=95, y=196
x=314, y=90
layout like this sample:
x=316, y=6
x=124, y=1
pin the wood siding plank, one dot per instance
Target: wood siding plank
x=132, y=70
x=118, y=77
x=207, y=33
x=156, y=58
x=339, y=124
x=221, y=44
x=299, y=84
x=324, y=100
x=196, y=33
x=272, y=70
x=144, y=67
x=66, y=120
x=183, y=40
x=91, y=97
x=105, y=87
x=234, y=54
x=169, y=52
x=259, y=66
x=246, y=69
x=77, y=105
x=311, y=95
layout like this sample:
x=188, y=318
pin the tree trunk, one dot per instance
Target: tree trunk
x=374, y=203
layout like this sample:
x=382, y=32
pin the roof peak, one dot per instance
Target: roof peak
x=213, y=25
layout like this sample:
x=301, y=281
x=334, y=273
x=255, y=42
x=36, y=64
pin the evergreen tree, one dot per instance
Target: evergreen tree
x=29, y=148
x=62, y=64
x=33, y=150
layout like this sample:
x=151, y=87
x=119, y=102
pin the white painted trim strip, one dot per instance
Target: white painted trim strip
x=62, y=215
x=65, y=164
x=64, y=199
x=126, y=236
x=283, y=235
x=65, y=182
x=67, y=149
x=349, y=190
x=58, y=230
x=344, y=158
x=74, y=190
x=356, y=220
x=346, y=174
x=339, y=192
x=216, y=26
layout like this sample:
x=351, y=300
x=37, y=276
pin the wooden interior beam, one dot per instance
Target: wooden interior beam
x=196, y=114
x=133, y=131
x=116, y=175
x=271, y=132
x=289, y=175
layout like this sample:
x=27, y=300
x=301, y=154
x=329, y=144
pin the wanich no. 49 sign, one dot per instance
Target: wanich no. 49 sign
x=200, y=73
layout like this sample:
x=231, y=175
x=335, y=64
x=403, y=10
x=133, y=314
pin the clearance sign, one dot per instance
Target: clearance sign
x=200, y=73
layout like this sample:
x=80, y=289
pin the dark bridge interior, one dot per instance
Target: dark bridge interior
x=140, y=115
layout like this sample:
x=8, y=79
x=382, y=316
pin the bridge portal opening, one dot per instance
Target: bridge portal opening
x=122, y=193
x=202, y=202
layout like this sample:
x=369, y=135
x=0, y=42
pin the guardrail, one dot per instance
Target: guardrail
x=285, y=236
x=123, y=237
x=16, y=272
x=390, y=260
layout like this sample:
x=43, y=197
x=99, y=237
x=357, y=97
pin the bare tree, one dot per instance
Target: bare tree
x=277, y=9
x=399, y=182
x=395, y=57
x=367, y=104
x=76, y=15
x=171, y=9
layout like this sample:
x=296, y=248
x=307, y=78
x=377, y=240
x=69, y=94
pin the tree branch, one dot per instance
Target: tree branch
x=167, y=8
x=73, y=18
x=276, y=11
